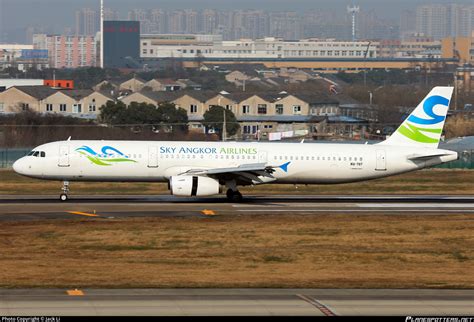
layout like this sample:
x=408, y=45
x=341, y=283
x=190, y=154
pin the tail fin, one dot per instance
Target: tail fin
x=425, y=124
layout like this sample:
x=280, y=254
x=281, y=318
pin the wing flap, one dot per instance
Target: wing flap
x=248, y=173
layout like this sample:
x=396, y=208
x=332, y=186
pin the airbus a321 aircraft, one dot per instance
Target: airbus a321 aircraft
x=204, y=168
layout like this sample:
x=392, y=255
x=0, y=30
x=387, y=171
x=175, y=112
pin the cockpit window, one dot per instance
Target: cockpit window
x=37, y=154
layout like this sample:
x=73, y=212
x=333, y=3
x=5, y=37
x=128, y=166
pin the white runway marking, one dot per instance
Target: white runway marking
x=414, y=205
x=358, y=210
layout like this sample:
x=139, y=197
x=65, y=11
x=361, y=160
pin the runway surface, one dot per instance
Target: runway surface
x=37, y=207
x=309, y=302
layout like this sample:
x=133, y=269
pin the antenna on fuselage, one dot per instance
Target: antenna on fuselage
x=69, y=139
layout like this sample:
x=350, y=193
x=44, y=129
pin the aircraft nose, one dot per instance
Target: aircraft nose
x=19, y=166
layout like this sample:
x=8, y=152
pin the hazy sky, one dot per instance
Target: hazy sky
x=16, y=15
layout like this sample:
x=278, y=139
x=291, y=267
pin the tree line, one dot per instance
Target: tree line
x=165, y=117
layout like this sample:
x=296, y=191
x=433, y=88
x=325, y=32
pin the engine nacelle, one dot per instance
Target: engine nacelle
x=190, y=186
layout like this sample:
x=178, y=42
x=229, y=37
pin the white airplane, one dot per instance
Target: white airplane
x=204, y=168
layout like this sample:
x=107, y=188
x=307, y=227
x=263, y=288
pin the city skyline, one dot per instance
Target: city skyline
x=320, y=20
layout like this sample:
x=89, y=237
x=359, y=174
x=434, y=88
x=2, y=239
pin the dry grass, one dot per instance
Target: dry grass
x=434, y=181
x=321, y=251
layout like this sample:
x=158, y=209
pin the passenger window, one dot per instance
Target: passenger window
x=43, y=154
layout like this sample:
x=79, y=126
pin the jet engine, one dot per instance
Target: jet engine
x=190, y=186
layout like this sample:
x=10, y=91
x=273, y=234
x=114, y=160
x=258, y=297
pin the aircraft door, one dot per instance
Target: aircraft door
x=381, y=163
x=153, y=157
x=63, y=156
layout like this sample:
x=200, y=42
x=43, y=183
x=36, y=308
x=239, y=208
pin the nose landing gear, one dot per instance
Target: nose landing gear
x=64, y=196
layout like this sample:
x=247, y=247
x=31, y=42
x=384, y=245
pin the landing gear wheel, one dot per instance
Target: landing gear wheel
x=237, y=197
x=229, y=194
x=64, y=197
x=234, y=196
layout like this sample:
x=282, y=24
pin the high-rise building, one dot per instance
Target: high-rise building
x=407, y=23
x=158, y=21
x=209, y=21
x=110, y=14
x=440, y=21
x=87, y=22
x=68, y=51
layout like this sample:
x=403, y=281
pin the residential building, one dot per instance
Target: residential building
x=134, y=84
x=6, y=83
x=237, y=77
x=22, y=57
x=165, y=84
x=461, y=48
x=262, y=113
x=22, y=98
x=44, y=99
x=68, y=51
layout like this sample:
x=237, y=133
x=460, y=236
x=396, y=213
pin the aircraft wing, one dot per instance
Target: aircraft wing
x=243, y=174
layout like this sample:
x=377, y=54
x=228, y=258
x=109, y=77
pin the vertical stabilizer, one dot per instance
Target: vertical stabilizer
x=425, y=124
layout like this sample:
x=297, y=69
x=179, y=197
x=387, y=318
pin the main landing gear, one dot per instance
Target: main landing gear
x=234, y=195
x=64, y=197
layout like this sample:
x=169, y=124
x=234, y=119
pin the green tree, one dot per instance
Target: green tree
x=214, y=118
x=165, y=115
x=142, y=113
x=113, y=113
x=176, y=118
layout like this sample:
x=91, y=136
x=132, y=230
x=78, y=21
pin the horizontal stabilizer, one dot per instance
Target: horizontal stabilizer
x=422, y=157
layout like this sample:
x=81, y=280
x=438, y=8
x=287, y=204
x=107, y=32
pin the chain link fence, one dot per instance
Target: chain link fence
x=8, y=156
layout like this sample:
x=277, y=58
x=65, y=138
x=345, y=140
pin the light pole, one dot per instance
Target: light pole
x=224, y=128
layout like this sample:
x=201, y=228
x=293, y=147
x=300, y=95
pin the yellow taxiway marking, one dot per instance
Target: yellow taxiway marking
x=207, y=212
x=75, y=292
x=82, y=214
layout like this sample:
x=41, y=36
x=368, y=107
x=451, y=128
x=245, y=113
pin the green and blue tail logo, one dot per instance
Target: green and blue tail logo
x=109, y=155
x=425, y=125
